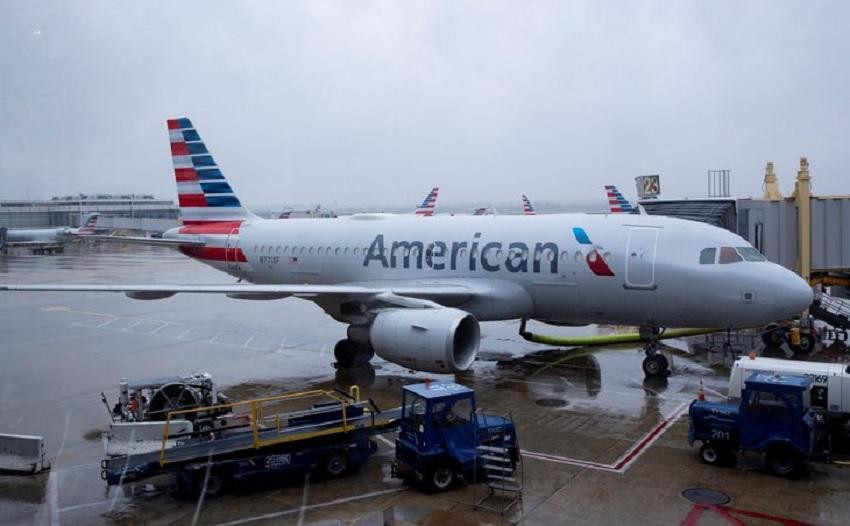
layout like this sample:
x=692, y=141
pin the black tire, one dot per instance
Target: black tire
x=711, y=454
x=216, y=483
x=351, y=354
x=773, y=336
x=185, y=484
x=783, y=461
x=807, y=344
x=441, y=477
x=655, y=365
x=335, y=464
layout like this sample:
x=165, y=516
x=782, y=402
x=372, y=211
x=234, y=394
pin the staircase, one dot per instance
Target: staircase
x=502, y=475
x=833, y=311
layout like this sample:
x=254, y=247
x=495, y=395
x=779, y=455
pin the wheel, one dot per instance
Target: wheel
x=216, y=483
x=773, y=335
x=336, y=463
x=350, y=354
x=783, y=461
x=655, y=365
x=185, y=484
x=441, y=477
x=711, y=454
x=807, y=344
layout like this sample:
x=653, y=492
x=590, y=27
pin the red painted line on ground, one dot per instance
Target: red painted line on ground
x=728, y=513
x=647, y=440
x=693, y=516
x=626, y=460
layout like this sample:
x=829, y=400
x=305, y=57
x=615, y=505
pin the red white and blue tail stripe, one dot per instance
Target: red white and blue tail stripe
x=618, y=203
x=87, y=228
x=204, y=195
x=428, y=205
x=527, y=209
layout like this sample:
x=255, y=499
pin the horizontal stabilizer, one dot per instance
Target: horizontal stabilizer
x=152, y=241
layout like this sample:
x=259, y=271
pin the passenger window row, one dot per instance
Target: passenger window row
x=494, y=255
x=709, y=256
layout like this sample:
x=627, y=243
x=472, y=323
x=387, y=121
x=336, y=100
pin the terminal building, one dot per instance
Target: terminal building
x=118, y=212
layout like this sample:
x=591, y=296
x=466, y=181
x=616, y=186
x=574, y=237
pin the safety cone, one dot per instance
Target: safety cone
x=701, y=392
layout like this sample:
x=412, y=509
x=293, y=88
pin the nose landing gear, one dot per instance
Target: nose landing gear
x=655, y=364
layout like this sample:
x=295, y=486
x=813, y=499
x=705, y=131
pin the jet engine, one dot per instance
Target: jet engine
x=434, y=340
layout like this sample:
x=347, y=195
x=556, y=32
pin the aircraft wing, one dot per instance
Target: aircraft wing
x=409, y=295
x=148, y=241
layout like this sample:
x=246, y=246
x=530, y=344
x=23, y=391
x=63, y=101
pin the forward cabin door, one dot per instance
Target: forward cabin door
x=232, y=253
x=640, y=258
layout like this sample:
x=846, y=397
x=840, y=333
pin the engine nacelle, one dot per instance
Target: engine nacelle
x=148, y=294
x=434, y=340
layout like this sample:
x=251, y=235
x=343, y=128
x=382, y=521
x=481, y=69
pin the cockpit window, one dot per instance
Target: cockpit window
x=707, y=255
x=750, y=254
x=728, y=255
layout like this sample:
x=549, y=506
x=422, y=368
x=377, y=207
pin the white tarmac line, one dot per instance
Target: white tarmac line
x=385, y=441
x=312, y=507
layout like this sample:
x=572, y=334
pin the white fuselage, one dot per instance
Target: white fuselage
x=525, y=266
x=38, y=235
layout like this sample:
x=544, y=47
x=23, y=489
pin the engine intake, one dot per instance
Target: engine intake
x=434, y=340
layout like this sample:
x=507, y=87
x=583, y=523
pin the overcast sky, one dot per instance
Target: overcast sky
x=375, y=102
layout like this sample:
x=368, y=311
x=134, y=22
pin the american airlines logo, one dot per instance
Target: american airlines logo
x=490, y=256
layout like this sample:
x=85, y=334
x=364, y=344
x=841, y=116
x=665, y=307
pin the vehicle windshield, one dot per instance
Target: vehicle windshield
x=414, y=409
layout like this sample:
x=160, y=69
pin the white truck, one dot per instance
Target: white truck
x=830, y=389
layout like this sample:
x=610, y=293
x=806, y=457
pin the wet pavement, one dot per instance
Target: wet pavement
x=602, y=445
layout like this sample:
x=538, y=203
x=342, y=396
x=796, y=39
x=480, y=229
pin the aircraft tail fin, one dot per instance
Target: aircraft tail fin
x=618, y=203
x=87, y=226
x=204, y=195
x=527, y=209
x=428, y=205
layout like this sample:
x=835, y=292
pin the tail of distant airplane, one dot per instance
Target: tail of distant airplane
x=87, y=227
x=204, y=195
x=617, y=202
x=428, y=205
x=527, y=209
x=480, y=211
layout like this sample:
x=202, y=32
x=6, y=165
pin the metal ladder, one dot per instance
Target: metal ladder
x=833, y=311
x=503, y=476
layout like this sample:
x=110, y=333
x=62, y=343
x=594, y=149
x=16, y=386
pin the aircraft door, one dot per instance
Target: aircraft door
x=640, y=258
x=232, y=253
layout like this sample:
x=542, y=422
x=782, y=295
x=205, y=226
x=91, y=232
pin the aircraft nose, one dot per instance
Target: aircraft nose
x=796, y=293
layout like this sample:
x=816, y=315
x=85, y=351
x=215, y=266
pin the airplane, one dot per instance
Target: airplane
x=527, y=209
x=413, y=292
x=427, y=207
x=60, y=234
x=618, y=203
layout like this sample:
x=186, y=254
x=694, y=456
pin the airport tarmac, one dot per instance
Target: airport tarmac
x=600, y=444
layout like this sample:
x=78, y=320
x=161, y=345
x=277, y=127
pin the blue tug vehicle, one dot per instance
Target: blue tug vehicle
x=774, y=418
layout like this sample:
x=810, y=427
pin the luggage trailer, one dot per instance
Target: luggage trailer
x=270, y=438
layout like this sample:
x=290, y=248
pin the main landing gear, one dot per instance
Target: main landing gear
x=655, y=364
x=349, y=353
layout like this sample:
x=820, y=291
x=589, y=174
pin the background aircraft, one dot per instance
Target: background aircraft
x=527, y=209
x=60, y=234
x=428, y=205
x=414, y=291
x=617, y=202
